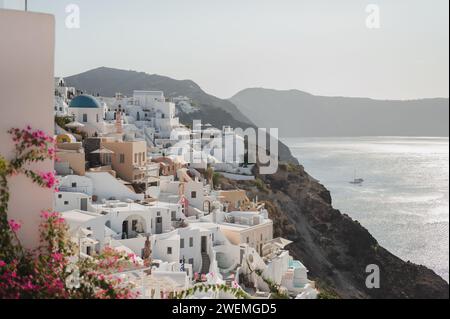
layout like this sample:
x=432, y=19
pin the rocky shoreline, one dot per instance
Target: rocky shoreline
x=335, y=248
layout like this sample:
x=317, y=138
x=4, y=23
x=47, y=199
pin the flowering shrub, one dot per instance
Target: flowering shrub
x=236, y=291
x=51, y=270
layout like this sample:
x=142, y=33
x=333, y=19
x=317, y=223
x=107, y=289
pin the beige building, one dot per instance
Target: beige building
x=71, y=155
x=251, y=228
x=236, y=200
x=129, y=159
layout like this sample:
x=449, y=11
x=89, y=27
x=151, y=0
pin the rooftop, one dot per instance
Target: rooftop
x=119, y=206
x=85, y=101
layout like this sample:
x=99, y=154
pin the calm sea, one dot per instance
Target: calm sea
x=404, y=200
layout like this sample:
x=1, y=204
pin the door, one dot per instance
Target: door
x=83, y=204
x=125, y=229
x=204, y=245
x=158, y=229
x=207, y=206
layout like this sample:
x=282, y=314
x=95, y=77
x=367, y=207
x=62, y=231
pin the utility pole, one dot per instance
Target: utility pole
x=26, y=5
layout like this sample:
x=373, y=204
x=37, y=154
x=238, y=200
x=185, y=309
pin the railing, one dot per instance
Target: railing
x=219, y=243
x=78, y=189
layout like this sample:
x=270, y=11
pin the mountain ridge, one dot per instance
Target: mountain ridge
x=302, y=114
x=336, y=96
x=218, y=112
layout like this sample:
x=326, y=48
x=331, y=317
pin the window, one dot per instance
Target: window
x=107, y=159
x=158, y=214
x=182, y=243
x=174, y=215
x=135, y=157
x=122, y=158
x=96, y=117
x=134, y=225
x=59, y=195
x=261, y=236
x=74, y=184
x=66, y=202
x=85, y=118
x=191, y=241
x=193, y=194
x=191, y=261
x=169, y=250
x=248, y=240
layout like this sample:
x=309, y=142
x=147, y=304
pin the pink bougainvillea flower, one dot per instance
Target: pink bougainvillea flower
x=2, y=263
x=49, y=179
x=45, y=214
x=57, y=256
x=15, y=226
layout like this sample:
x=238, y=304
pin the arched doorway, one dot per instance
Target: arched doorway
x=133, y=225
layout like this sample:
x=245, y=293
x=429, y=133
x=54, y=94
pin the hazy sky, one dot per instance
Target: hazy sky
x=319, y=46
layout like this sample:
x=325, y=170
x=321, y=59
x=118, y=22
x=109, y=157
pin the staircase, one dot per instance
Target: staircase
x=205, y=263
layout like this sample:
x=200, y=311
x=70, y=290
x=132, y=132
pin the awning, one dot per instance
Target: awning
x=280, y=242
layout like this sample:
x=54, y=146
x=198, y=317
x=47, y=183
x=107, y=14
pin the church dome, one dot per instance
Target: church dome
x=85, y=101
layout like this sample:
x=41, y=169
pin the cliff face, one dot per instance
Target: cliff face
x=335, y=248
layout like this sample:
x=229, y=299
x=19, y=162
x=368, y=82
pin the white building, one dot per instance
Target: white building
x=88, y=111
x=153, y=106
x=86, y=229
x=100, y=185
x=65, y=201
x=61, y=107
x=130, y=220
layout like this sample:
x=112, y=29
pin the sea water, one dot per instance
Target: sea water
x=404, y=199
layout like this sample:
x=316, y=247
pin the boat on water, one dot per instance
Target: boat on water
x=356, y=181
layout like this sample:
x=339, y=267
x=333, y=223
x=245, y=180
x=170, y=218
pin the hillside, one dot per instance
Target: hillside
x=212, y=110
x=335, y=248
x=299, y=114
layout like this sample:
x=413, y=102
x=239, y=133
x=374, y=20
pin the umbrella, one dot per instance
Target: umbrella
x=105, y=155
x=74, y=124
x=102, y=150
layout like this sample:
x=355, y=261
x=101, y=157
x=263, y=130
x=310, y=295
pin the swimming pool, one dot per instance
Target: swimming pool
x=295, y=264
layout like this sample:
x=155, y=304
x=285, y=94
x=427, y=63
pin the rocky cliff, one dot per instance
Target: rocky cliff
x=335, y=248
